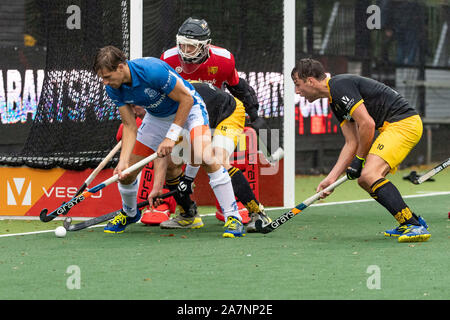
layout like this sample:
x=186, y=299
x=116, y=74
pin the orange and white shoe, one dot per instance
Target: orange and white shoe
x=156, y=215
x=243, y=212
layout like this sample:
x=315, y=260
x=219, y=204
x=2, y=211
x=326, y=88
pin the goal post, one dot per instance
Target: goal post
x=289, y=104
x=142, y=17
x=75, y=123
x=136, y=28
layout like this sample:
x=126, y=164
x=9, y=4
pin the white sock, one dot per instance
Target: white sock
x=220, y=182
x=129, y=197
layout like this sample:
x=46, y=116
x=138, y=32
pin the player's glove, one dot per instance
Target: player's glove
x=186, y=186
x=355, y=168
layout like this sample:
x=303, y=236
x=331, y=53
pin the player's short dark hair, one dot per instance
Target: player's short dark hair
x=306, y=68
x=108, y=57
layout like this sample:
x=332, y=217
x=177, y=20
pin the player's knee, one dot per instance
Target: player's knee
x=129, y=179
x=209, y=160
x=211, y=167
x=173, y=170
x=207, y=157
x=365, y=181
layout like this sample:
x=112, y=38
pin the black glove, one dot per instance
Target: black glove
x=355, y=168
x=186, y=186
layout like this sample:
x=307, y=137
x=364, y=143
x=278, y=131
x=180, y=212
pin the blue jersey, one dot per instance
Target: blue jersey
x=152, y=81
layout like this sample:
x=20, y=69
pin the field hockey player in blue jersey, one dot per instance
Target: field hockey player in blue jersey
x=174, y=109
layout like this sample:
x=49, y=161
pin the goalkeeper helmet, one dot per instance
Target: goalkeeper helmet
x=193, y=41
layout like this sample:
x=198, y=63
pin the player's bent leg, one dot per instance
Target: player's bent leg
x=128, y=189
x=223, y=147
x=411, y=227
x=219, y=181
x=374, y=169
x=245, y=195
x=224, y=142
x=187, y=217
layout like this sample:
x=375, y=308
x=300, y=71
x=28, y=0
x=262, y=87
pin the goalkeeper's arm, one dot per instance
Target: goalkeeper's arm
x=244, y=92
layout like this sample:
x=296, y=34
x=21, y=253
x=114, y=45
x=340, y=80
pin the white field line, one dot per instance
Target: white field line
x=443, y=193
x=212, y=214
x=25, y=233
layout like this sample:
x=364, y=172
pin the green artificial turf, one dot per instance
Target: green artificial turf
x=335, y=251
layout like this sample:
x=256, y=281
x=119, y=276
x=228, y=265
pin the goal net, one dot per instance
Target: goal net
x=251, y=30
x=75, y=124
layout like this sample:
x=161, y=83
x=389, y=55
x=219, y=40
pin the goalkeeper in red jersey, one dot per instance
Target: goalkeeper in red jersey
x=227, y=118
x=196, y=59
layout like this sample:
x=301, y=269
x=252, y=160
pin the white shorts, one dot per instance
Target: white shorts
x=153, y=129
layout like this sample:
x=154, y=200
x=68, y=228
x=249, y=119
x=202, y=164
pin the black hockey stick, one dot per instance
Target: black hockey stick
x=91, y=222
x=65, y=207
x=99, y=168
x=45, y=218
x=285, y=217
x=416, y=179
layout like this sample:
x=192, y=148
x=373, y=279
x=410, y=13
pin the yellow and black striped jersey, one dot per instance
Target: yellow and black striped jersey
x=219, y=104
x=383, y=103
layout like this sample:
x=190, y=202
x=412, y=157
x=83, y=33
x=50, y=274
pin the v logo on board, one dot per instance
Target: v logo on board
x=18, y=192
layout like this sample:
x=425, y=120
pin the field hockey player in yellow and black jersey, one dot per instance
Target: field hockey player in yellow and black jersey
x=363, y=105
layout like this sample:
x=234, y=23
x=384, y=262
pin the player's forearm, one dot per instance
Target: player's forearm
x=366, y=134
x=184, y=109
x=160, y=169
x=345, y=157
x=129, y=132
x=128, y=139
x=244, y=92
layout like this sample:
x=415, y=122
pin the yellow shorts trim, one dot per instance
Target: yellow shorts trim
x=233, y=126
x=397, y=139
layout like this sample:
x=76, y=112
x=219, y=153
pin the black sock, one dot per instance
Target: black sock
x=385, y=193
x=242, y=190
x=185, y=201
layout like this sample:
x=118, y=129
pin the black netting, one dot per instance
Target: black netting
x=251, y=30
x=75, y=124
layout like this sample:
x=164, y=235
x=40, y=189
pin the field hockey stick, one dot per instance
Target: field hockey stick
x=99, y=168
x=285, y=217
x=91, y=222
x=432, y=172
x=64, y=208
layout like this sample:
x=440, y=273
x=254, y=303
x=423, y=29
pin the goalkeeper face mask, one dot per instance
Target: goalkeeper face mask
x=193, y=40
x=192, y=52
